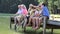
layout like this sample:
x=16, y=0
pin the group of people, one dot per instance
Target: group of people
x=34, y=14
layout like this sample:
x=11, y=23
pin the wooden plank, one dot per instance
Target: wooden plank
x=53, y=22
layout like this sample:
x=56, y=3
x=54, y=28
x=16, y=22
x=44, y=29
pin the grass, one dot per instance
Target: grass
x=4, y=27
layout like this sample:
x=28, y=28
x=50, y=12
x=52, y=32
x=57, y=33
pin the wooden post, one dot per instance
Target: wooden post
x=10, y=23
x=44, y=25
x=52, y=31
x=15, y=23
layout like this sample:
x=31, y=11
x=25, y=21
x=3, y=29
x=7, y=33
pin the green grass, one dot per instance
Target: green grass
x=4, y=27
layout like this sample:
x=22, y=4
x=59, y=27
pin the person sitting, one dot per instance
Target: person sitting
x=37, y=18
x=31, y=13
x=45, y=10
x=22, y=12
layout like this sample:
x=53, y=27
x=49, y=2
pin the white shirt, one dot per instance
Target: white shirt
x=38, y=12
x=19, y=11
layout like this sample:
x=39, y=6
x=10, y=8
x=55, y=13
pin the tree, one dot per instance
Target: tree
x=59, y=3
x=10, y=6
x=27, y=2
x=46, y=2
x=54, y=7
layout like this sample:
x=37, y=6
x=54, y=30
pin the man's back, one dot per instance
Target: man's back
x=45, y=11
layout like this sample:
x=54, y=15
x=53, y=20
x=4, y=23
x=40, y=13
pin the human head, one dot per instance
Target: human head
x=41, y=5
x=31, y=5
x=19, y=6
x=23, y=6
x=44, y=4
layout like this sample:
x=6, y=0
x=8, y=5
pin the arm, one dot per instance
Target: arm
x=19, y=11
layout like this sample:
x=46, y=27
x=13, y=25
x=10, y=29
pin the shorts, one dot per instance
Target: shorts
x=28, y=16
x=19, y=17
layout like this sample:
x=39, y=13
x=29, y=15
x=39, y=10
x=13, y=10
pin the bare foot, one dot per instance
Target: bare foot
x=28, y=24
x=36, y=28
x=33, y=27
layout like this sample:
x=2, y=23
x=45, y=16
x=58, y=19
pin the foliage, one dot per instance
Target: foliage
x=10, y=6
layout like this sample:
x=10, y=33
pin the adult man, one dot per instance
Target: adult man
x=45, y=11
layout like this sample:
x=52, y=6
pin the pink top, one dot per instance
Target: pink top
x=24, y=11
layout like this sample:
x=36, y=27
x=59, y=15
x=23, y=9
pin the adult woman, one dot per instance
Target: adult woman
x=31, y=13
x=37, y=18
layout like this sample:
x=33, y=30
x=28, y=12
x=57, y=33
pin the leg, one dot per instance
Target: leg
x=33, y=22
x=15, y=23
x=29, y=21
x=40, y=21
x=18, y=19
x=37, y=19
x=25, y=22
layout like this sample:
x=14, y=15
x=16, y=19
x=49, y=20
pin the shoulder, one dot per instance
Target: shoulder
x=45, y=7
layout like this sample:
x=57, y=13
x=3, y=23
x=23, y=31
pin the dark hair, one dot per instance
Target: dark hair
x=44, y=4
x=33, y=7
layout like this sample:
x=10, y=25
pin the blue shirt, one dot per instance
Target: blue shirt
x=45, y=11
x=19, y=11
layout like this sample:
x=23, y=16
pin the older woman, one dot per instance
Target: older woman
x=22, y=13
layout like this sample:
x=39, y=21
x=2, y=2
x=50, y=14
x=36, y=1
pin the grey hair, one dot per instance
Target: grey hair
x=23, y=6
